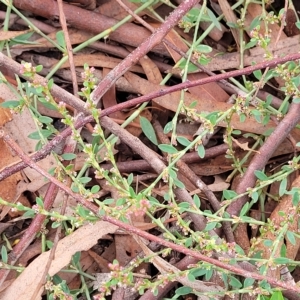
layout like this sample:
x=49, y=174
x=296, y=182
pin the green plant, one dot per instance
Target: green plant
x=131, y=200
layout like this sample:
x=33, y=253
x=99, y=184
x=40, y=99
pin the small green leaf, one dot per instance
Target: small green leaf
x=45, y=119
x=84, y=180
x=10, y=104
x=213, y=18
x=257, y=115
x=47, y=104
x=261, y=175
x=235, y=283
x=198, y=272
x=39, y=202
x=184, y=290
x=183, y=206
x=283, y=250
x=172, y=174
x=39, y=68
x=153, y=200
x=148, y=130
x=74, y=188
x=296, y=100
x=108, y=201
x=296, y=80
x=255, y=22
x=154, y=291
x=130, y=178
x=197, y=200
x=168, y=127
x=76, y=258
x=167, y=148
x=191, y=67
x=193, y=104
x=49, y=244
x=210, y=226
x=242, y=117
x=22, y=39
x=203, y=60
x=61, y=39
x=55, y=224
x=201, y=151
x=232, y=25
x=95, y=189
x=291, y=237
x=68, y=156
x=282, y=187
x=178, y=183
x=248, y=282
x=188, y=242
x=36, y=135
x=296, y=198
x=120, y=202
x=281, y=260
x=239, y=249
x=4, y=255
x=28, y=214
x=209, y=274
x=50, y=83
x=190, y=276
x=257, y=74
x=236, y=132
x=83, y=212
x=254, y=196
x=183, y=141
x=277, y=295
x=203, y=48
x=229, y=194
x=268, y=243
x=244, y=209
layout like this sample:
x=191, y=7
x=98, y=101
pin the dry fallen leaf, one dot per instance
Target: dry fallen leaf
x=7, y=35
x=243, y=146
x=82, y=239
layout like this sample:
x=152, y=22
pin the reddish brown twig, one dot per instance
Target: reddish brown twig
x=142, y=50
x=90, y=21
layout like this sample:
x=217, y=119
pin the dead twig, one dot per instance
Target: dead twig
x=64, y=27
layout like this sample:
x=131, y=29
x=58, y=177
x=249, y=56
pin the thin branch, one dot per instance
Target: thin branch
x=64, y=27
x=142, y=50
